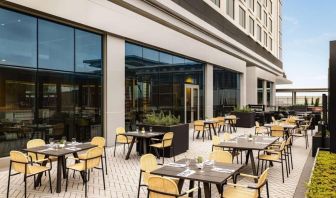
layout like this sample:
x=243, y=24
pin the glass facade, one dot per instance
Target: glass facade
x=269, y=91
x=260, y=91
x=156, y=81
x=50, y=81
x=226, y=90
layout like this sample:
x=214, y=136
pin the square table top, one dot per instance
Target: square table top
x=288, y=126
x=143, y=135
x=241, y=142
x=208, y=175
x=68, y=149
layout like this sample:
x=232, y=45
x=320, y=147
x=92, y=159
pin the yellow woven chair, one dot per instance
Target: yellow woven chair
x=100, y=142
x=167, y=142
x=278, y=131
x=92, y=160
x=221, y=123
x=221, y=156
x=232, y=123
x=34, y=157
x=215, y=142
x=121, y=138
x=273, y=119
x=276, y=155
x=259, y=129
x=247, y=191
x=19, y=162
x=162, y=187
x=199, y=128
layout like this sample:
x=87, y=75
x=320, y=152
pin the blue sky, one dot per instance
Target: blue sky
x=308, y=26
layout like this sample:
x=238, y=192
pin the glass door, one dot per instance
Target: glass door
x=191, y=103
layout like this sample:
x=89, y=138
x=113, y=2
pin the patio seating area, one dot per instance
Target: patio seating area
x=123, y=175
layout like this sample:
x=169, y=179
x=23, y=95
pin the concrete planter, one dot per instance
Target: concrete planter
x=317, y=143
x=180, y=140
x=246, y=119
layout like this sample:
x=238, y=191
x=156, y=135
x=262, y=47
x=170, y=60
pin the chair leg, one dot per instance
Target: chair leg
x=267, y=190
x=66, y=179
x=85, y=182
x=9, y=175
x=291, y=155
x=115, y=146
x=103, y=173
x=258, y=166
x=25, y=185
x=173, y=153
x=163, y=155
x=139, y=184
x=50, y=180
x=105, y=159
x=282, y=172
x=124, y=149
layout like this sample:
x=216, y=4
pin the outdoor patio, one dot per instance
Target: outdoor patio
x=123, y=175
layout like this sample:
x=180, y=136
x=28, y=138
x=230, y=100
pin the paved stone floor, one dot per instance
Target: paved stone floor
x=123, y=175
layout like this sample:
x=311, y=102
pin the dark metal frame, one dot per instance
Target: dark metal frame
x=86, y=174
x=115, y=143
x=171, y=147
x=26, y=176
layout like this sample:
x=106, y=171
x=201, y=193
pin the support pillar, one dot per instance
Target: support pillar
x=208, y=91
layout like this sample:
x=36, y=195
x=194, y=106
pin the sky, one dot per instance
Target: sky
x=308, y=26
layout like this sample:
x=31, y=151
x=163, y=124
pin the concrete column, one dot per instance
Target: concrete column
x=273, y=95
x=251, y=86
x=114, y=87
x=264, y=92
x=293, y=98
x=208, y=87
x=242, y=90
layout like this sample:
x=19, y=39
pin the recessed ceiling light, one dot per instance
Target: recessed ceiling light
x=3, y=60
x=19, y=20
x=2, y=24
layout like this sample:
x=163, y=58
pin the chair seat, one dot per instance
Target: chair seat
x=269, y=157
x=238, y=192
x=36, y=169
x=124, y=140
x=78, y=166
x=159, y=145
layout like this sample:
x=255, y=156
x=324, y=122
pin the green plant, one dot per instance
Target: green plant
x=199, y=159
x=62, y=141
x=250, y=136
x=244, y=109
x=317, y=102
x=323, y=179
x=306, y=101
x=161, y=119
x=312, y=101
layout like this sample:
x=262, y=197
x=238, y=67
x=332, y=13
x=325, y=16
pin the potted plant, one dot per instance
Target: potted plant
x=160, y=122
x=200, y=162
x=250, y=137
x=246, y=117
x=317, y=141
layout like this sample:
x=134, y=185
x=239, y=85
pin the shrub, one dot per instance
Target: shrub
x=323, y=180
x=161, y=119
x=244, y=109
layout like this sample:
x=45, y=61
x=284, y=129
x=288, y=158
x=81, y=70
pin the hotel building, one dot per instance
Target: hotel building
x=81, y=68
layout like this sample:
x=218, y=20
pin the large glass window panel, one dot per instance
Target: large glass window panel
x=17, y=105
x=260, y=91
x=150, y=56
x=56, y=46
x=166, y=58
x=242, y=17
x=88, y=52
x=230, y=8
x=17, y=39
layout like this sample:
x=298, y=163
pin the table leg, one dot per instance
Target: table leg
x=207, y=190
x=210, y=134
x=180, y=185
x=59, y=174
x=253, y=165
x=213, y=126
x=247, y=157
x=64, y=167
x=130, y=148
x=191, y=185
x=144, y=146
x=220, y=189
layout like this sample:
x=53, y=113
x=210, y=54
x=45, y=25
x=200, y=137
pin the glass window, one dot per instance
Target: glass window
x=251, y=26
x=270, y=41
x=166, y=58
x=216, y=2
x=88, y=52
x=150, y=57
x=269, y=91
x=230, y=8
x=242, y=17
x=260, y=91
x=259, y=33
x=270, y=6
x=265, y=19
x=270, y=24
x=17, y=39
x=56, y=46
x=178, y=60
x=265, y=39
x=259, y=12
x=251, y=4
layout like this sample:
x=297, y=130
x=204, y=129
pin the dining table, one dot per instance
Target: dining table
x=210, y=124
x=143, y=138
x=244, y=143
x=59, y=153
x=231, y=120
x=212, y=173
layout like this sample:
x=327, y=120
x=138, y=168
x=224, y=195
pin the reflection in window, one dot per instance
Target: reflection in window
x=88, y=52
x=158, y=87
x=269, y=91
x=230, y=8
x=56, y=46
x=17, y=39
x=226, y=90
x=260, y=91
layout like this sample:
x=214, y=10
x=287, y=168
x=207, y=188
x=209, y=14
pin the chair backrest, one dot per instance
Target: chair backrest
x=148, y=163
x=93, y=155
x=289, y=141
x=19, y=161
x=262, y=179
x=98, y=141
x=221, y=156
x=273, y=119
x=257, y=124
x=35, y=143
x=234, y=119
x=168, y=138
x=221, y=120
x=159, y=187
x=277, y=131
x=198, y=125
x=227, y=136
x=282, y=145
x=119, y=132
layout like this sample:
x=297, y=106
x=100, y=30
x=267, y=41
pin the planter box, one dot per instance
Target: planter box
x=246, y=119
x=317, y=143
x=180, y=140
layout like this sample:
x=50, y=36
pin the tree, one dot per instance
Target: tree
x=306, y=101
x=312, y=102
x=317, y=102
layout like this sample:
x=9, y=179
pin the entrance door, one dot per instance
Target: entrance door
x=191, y=103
